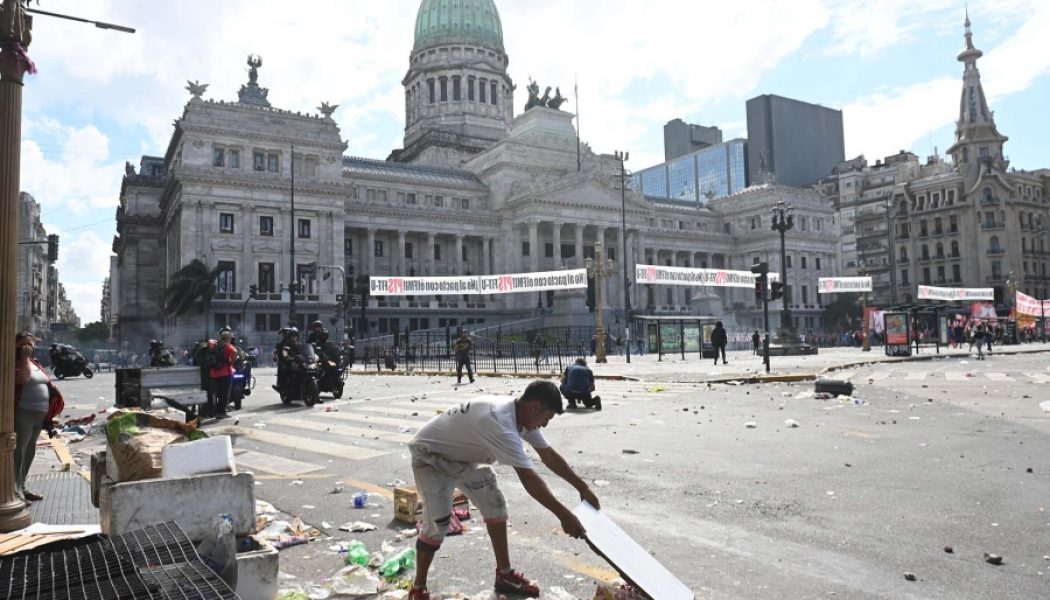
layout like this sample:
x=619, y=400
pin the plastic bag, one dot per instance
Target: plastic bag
x=218, y=550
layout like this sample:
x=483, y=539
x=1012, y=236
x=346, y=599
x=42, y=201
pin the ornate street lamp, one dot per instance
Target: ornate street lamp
x=598, y=270
x=623, y=157
x=783, y=220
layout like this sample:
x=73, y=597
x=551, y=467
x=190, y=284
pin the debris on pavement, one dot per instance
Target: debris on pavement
x=791, y=423
x=910, y=576
x=600, y=483
x=751, y=425
x=949, y=549
x=993, y=559
x=357, y=526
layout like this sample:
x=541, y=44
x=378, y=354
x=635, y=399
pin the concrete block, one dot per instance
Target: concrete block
x=210, y=455
x=192, y=502
x=257, y=571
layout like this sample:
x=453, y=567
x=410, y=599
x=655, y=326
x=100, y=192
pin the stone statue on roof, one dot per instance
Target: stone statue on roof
x=251, y=92
x=196, y=89
x=534, y=94
x=327, y=109
x=254, y=62
x=557, y=100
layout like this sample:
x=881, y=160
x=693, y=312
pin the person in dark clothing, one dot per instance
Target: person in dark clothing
x=577, y=383
x=286, y=352
x=719, y=339
x=756, y=341
x=221, y=374
x=318, y=335
x=463, y=347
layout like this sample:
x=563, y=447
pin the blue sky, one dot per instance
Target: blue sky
x=102, y=97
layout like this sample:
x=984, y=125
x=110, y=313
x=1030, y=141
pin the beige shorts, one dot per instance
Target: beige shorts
x=436, y=479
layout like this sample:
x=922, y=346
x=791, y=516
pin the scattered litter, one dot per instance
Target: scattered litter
x=1045, y=406
x=910, y=576
x=289, y=541
x=657, y=388
x=326, y=525
x=949, y=549
x=750, y=425
x=785, y=394
x=405, y=534
x=357, y=526
x=804, y=395
x=404, y=429
x=993, y=559
x=629, y=451
x=396, y=483
x=309, y=506
x=297, y=482
x=336, y=490
x=791, y=423
x=830, y=493
x=260, y=425
x=600, y=483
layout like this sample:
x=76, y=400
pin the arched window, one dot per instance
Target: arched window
x=993, y=244
x=925, y=252
x=986, y=193
x=955, y=248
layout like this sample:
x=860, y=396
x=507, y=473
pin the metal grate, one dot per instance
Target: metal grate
x=157, y=562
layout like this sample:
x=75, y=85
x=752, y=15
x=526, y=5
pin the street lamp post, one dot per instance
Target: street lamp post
x=342, y=275
x=866, y=345
x=624, y=157
x=889, y=247
x=598, y=269
x=783, y=221
x=252, y=291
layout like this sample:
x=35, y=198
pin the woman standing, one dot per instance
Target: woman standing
x=32, y=400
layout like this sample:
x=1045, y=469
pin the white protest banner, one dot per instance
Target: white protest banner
x=1027, y=305
x=929, y=292
x=833, y=285
x=478, y=284
x=656, y=275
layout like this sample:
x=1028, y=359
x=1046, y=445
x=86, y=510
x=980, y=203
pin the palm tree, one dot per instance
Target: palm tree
x=189, y=284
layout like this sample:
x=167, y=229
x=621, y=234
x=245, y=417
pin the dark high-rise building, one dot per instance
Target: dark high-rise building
x=681, y=138
x=796, y=142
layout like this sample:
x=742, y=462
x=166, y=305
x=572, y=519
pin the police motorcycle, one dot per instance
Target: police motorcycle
x=332, y=373
x=242, y=382
x=159, y=355
x=300, y=379
x=67, y=361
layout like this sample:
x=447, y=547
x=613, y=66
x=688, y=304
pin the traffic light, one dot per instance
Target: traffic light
x=776, y=290
x=760, y=269
x=52, y=248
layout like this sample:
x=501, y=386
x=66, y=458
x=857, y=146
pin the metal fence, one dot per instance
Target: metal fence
x=488, y=356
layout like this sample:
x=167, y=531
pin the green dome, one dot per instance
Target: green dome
x=441, y=21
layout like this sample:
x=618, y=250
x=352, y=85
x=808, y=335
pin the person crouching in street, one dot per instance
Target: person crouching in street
x=457, y=447
x=577, y=383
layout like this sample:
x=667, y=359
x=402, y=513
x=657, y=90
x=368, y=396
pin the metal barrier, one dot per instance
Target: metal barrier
x=487, y=356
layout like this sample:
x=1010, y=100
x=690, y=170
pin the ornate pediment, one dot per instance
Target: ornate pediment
x=226, y=243
x=266, y=245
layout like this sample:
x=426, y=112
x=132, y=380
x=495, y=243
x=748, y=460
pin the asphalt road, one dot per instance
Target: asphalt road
x=925, y=455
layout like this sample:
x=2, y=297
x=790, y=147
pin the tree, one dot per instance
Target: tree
x=96, y=331
x=843, y=313
x=192, y=283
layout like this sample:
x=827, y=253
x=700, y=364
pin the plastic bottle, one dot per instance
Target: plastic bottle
x=406, y=559
x=360, y=499
x=356, y=553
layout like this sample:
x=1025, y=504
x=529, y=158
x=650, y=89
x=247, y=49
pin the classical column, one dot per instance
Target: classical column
x=556, y=235
x=428, y=255
x=13, y=66
x=579, y=245
x=486, y=259
x=534, y=246
x=402, y=261
x=370, y=249
x=459, y=254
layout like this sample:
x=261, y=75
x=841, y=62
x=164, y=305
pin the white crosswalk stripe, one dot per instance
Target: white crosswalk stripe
x=956, y=376
x=1039, y=377
x=998, y=376
x=915, y=376
x=345, y=430
x=310, y=444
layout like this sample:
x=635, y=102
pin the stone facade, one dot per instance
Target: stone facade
x=42, y=298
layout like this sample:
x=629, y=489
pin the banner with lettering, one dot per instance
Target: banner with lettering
x=478, y=284
x=834, y=285
x=656, y=275
x=1027, y=305
x=929, y=292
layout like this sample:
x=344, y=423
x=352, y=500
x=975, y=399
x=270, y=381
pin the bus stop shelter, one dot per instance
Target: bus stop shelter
x=678, y=335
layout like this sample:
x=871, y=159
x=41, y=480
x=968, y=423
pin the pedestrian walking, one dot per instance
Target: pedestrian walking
x=756, y=341
x=577, y=383
x=719, y=339
x=457, y=447
x=979, y=331
x=463, y=347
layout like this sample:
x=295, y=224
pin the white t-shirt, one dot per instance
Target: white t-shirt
x=482, y=431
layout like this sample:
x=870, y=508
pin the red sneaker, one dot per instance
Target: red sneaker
x=516, y=583
x=418, y=594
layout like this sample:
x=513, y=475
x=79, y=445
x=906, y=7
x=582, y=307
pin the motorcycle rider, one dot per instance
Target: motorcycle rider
x=318, y=335
x=286, y=351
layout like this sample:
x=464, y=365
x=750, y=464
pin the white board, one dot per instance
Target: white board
x=630, y=558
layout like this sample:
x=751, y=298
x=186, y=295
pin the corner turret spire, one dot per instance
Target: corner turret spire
x=978, y=146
